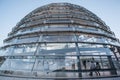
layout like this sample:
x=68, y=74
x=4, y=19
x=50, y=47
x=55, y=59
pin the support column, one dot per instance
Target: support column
x=113, y=69
x=78, y=61
x=79, y=67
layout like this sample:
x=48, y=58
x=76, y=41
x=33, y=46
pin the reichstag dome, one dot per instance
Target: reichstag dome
x=59, y=40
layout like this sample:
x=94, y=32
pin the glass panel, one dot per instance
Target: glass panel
x=25, y=49
x=29, y=30
x=59, y=38
x=58, y=26
x=30, y=48
x=86, y=28
x=53, y=63
x=83, y=45
x=91, y=38
x=9, y=42
x=18, y=64
x=59, y=48
x=57, y=64
x=5, y=51
x=89, y=62
x=105, y=62
x=18, y=50
x=28, y=39
x=59, y=29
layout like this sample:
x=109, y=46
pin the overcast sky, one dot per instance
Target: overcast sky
x=12, y=11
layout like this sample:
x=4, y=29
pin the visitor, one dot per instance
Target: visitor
x=73, y=66
x=84, y=63
x=97, y=68
x=92, y=68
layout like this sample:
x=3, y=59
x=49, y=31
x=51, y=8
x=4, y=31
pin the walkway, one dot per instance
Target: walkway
x=34, y=78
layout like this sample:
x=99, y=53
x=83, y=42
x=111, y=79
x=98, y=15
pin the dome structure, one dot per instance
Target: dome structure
x=59, y=40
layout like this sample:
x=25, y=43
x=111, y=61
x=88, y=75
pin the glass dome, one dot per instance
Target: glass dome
x=60, y=40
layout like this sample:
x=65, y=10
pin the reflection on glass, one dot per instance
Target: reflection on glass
x=17, y=64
